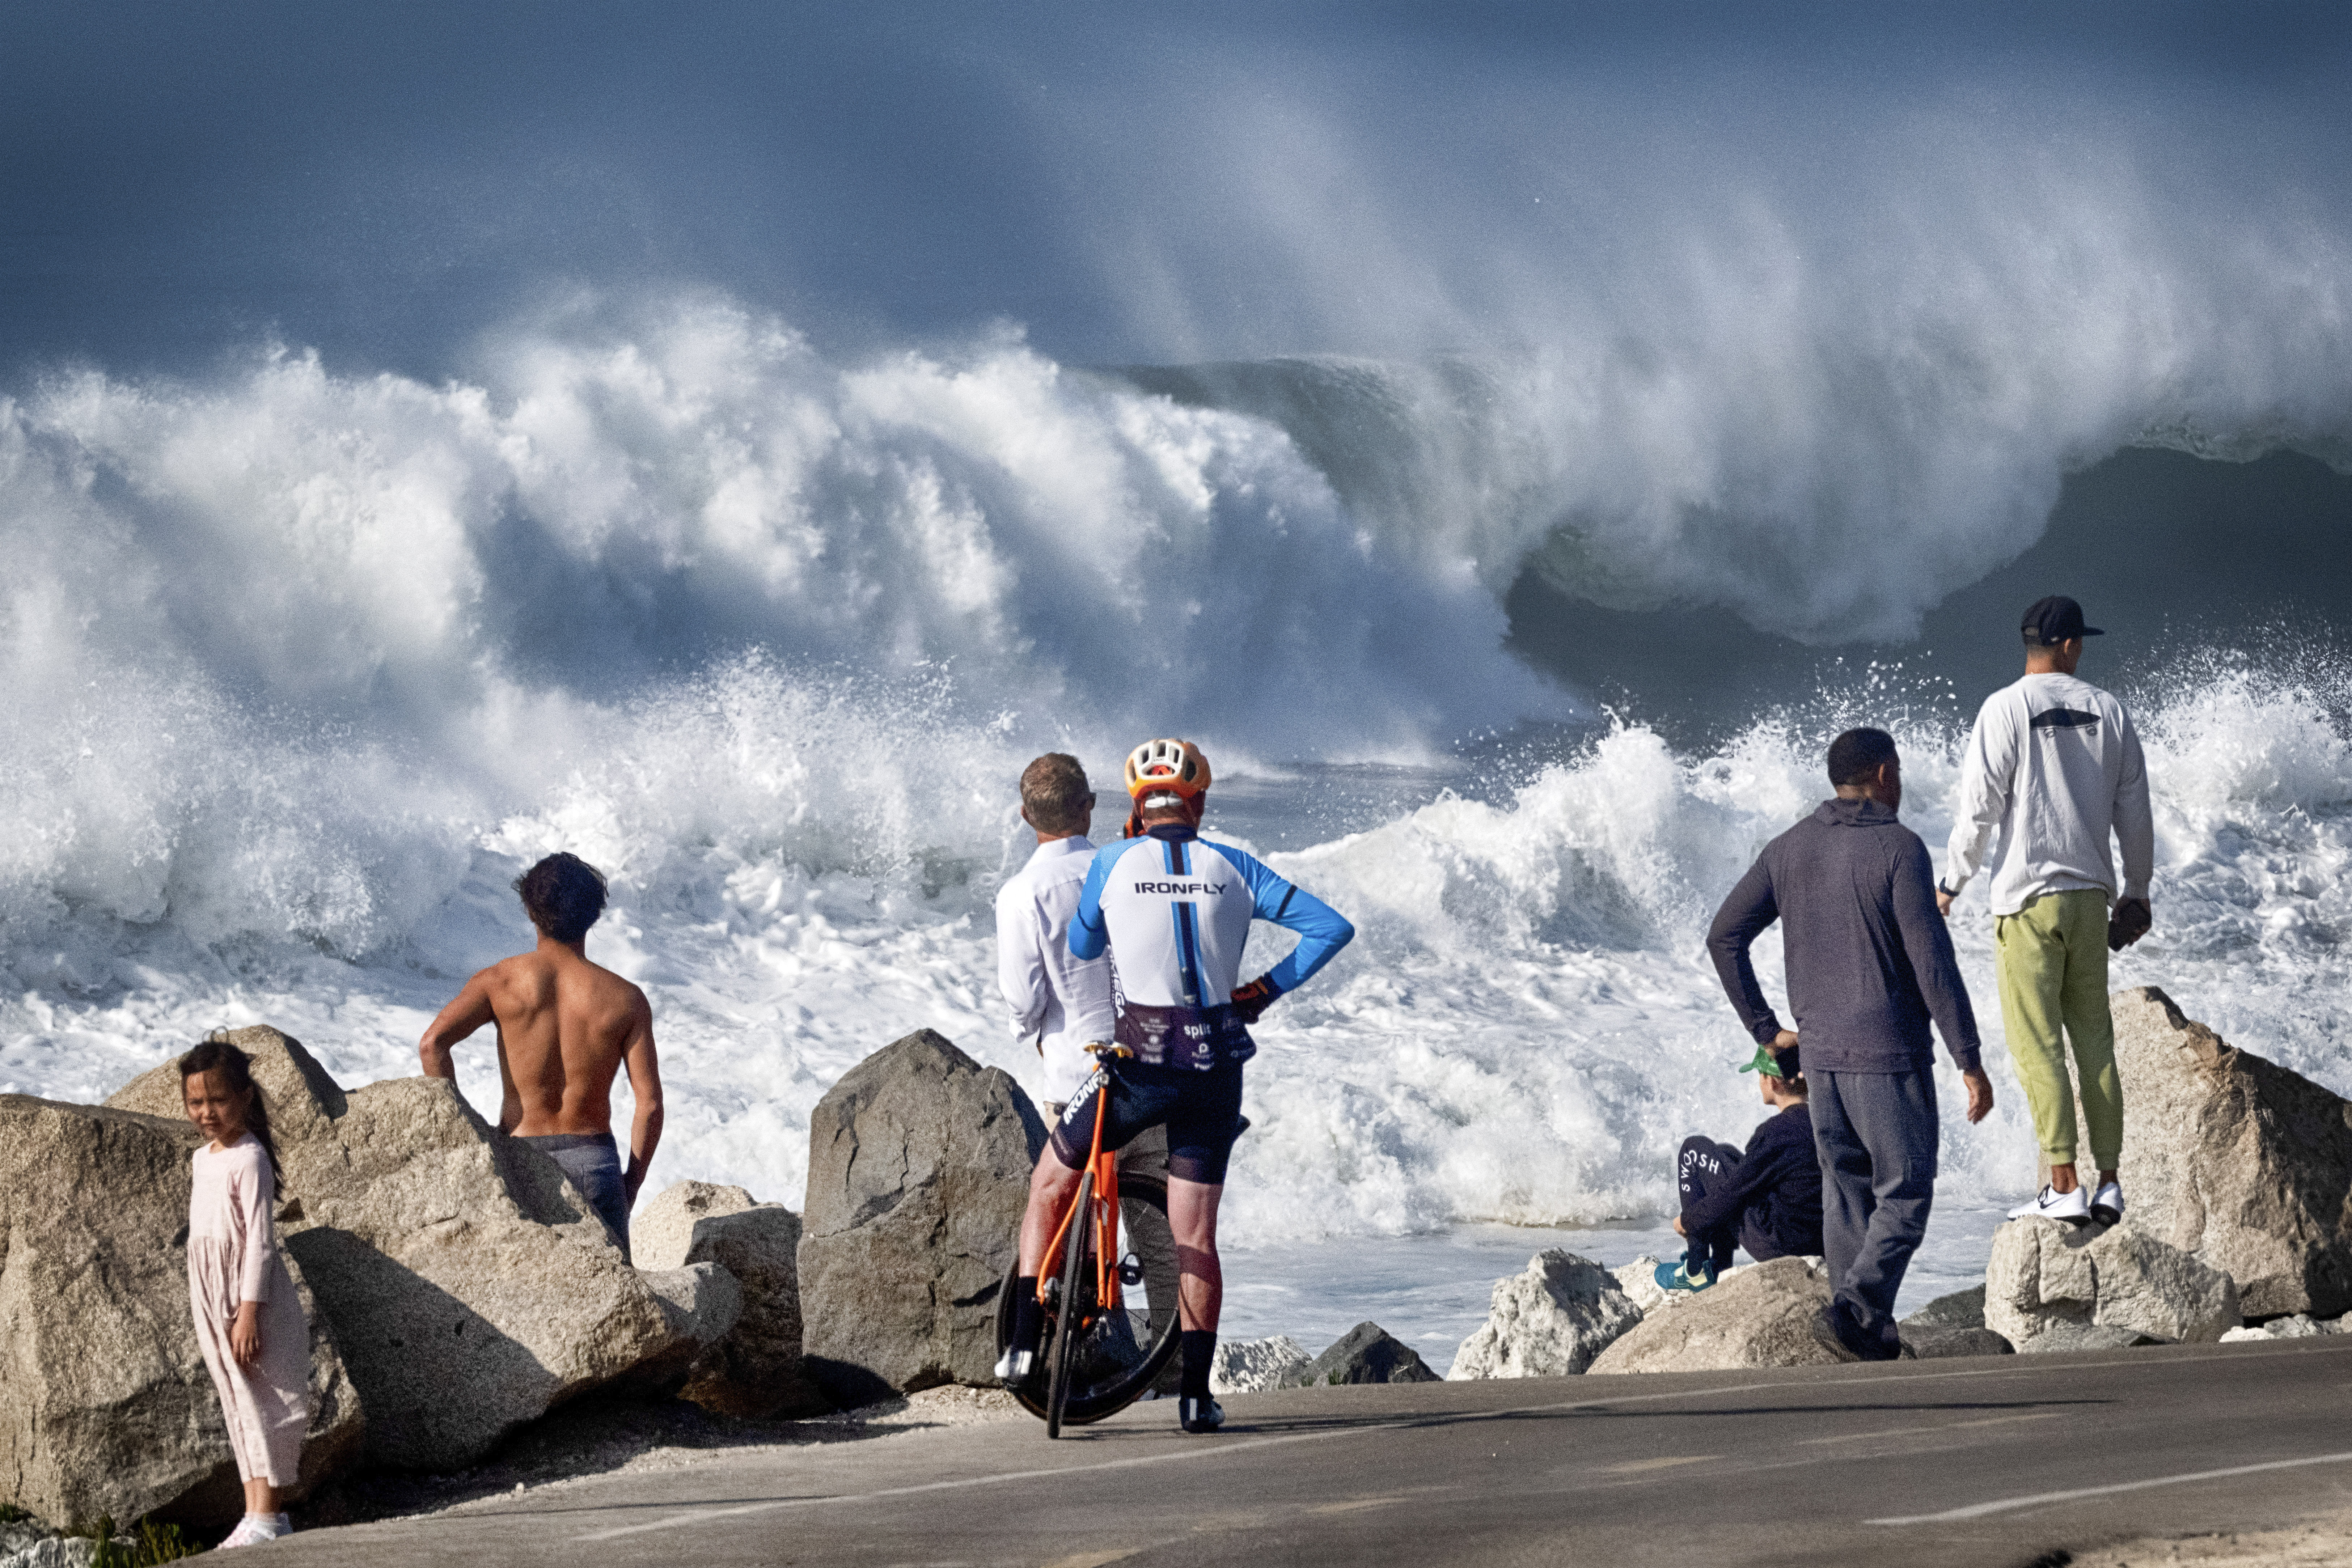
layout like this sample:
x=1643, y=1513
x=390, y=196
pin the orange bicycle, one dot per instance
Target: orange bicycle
x=1101, y=1355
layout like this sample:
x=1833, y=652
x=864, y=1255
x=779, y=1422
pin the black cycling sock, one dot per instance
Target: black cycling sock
x=1200, y=1355
x=1028, y=1314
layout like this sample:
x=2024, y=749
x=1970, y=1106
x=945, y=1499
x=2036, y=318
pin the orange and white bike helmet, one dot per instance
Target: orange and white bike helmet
x=1166, y=768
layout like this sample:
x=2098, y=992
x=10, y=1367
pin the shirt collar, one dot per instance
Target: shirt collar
x=1865, y=812
x=1178, y=833
x=1055, y=848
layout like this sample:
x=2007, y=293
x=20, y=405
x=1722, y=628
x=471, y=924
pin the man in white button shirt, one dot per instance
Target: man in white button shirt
x=1062, y=1003
x=2052, y=770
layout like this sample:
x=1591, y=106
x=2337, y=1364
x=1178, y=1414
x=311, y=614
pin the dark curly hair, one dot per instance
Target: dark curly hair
x=236, y=1069
x=564, y=895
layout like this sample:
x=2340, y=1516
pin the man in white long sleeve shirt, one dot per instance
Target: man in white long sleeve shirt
x=2052, y=770
x=1063, y=1003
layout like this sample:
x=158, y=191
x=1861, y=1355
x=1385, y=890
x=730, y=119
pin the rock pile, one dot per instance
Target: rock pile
x=2054, y=1287
x=1550, y=1321
x=918, y=1173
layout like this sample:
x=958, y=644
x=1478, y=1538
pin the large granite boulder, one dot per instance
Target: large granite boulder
x=1768, y=1315
x=1548, y=1322
x=1365, y=1354
x=755, y=1370
x=105, y=1404
x=469, y=1285
x=918, y=1173
x=1254, y=1365
x=2235, y=1160
x=2054, y=1287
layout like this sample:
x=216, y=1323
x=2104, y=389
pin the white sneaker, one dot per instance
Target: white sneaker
x=2073, y=1208
x=2107, y=1203
x=246, y=1533
x=1013, y=1367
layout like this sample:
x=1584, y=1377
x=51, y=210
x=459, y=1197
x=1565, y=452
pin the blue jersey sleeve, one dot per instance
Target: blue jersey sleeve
x=1089, y=937
x=1322, y=930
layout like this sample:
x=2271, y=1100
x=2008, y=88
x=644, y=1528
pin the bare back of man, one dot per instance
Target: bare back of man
x=566, y=1028
x=566, y=1025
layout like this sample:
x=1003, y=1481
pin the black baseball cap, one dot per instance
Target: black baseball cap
x=2053, y=620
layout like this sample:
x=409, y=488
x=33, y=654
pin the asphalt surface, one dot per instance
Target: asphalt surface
x=1996, y=1460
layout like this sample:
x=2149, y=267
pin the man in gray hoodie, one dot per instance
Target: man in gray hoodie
x=1869, y=963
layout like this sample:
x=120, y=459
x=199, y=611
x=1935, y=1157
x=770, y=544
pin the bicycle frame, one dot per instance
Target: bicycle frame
x=1105, y=1218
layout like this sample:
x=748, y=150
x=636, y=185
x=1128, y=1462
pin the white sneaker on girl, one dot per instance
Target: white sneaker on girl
x=248, y=1532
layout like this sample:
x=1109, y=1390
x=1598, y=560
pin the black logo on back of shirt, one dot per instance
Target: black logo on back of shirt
x=2065, y=718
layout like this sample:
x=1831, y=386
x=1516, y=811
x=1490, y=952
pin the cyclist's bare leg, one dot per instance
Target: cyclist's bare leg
x=1052, y=1186
x=1193, y=1216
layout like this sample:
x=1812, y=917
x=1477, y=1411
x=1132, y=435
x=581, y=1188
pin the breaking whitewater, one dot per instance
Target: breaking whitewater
x=301, y=670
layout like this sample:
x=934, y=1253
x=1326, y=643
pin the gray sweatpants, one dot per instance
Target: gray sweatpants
x=1876, y=1133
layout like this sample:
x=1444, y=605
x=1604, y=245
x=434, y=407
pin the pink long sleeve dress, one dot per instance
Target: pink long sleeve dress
x=232, y=1258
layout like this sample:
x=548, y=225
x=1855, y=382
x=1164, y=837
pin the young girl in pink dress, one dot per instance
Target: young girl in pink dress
x=250, y=1323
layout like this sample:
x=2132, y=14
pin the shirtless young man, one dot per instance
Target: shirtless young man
x=565, y=1027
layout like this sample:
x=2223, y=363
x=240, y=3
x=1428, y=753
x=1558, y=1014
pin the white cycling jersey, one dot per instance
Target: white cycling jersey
x=1174, y=910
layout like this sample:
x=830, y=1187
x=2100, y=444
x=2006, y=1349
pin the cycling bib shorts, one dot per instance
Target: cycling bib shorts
x=1202, y=1110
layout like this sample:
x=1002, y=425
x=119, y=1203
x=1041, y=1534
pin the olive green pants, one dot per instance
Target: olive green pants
x=2053, y=977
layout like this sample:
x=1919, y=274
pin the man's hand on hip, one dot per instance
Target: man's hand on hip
x=1784, y=1041
x=1980, y=1094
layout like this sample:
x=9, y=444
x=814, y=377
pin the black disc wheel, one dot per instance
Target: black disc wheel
x=1120, y=1354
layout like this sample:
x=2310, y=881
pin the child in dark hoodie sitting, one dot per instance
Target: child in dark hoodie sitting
x=1768, y=1199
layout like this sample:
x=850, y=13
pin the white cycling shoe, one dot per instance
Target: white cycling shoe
x=2107, y=1203
x=1013, y=1367
x=2071, y=1207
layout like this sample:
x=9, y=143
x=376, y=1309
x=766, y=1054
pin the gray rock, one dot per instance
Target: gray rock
x=2301, y=1325
x=55, y=1551
x=702, y=1300
x=1548, y=1322
x=1639, y=1280
x=105, y=1404
x=1960, y=1310
x=1768, y=1315
x=2235, y=1160
x=1365, y=1354
x=756, y=1370
x=1931, y=1341
x=918, y=1173
x=2047, y=1285
x=471, y=1286
x=1254, y=1365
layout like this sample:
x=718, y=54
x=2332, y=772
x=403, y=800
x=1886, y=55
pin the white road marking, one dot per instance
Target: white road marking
x=1978, y=1511
x=1947, y=1426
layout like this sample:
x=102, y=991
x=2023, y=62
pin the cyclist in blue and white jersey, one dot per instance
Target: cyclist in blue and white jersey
x=1173, y=910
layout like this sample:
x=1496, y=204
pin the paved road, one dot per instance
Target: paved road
x=1992, y=1461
